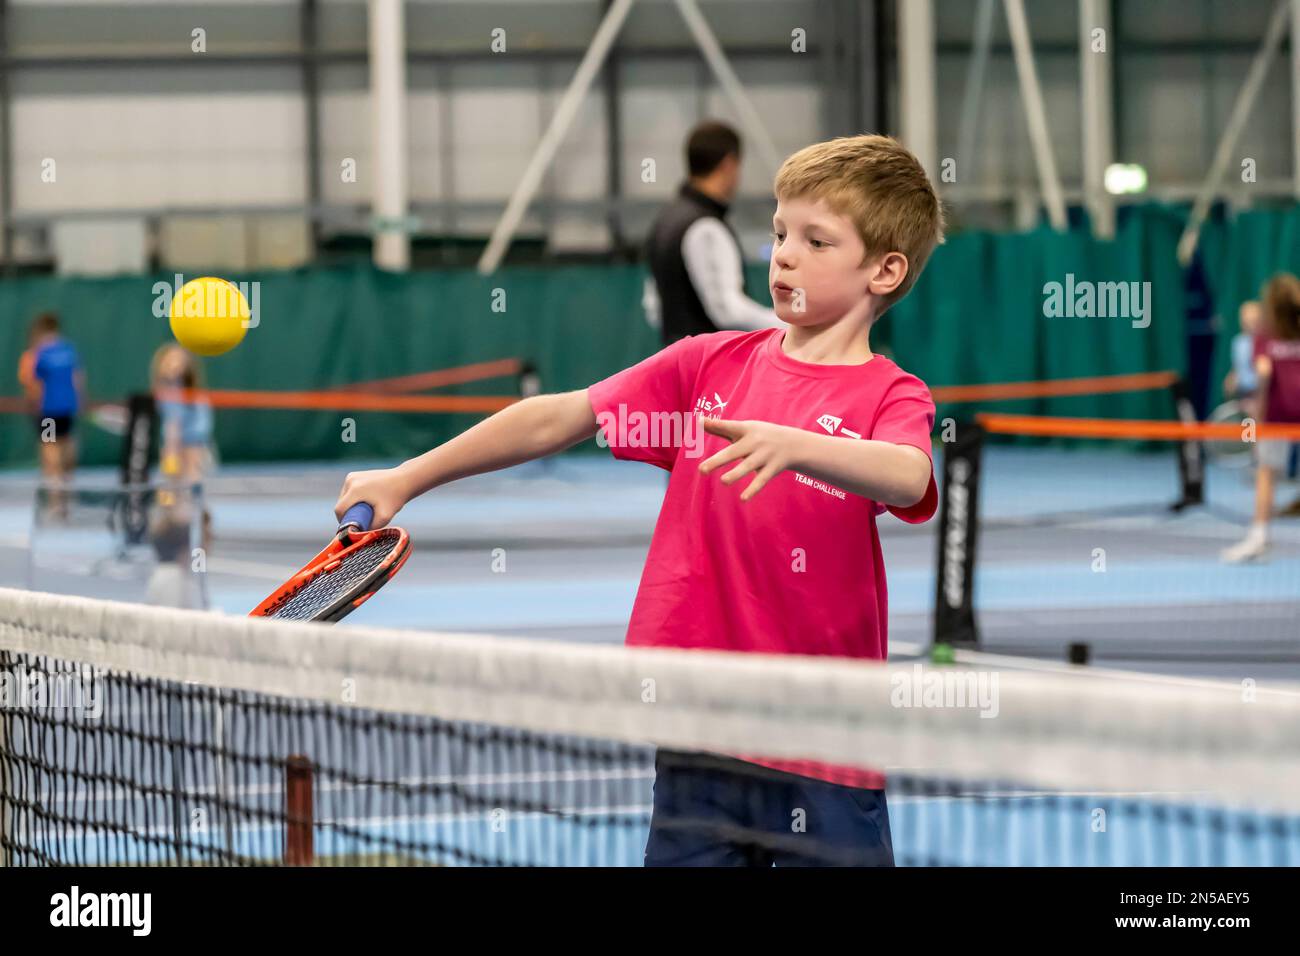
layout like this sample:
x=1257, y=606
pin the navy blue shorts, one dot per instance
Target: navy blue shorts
x=63, y=425
x=716, y=811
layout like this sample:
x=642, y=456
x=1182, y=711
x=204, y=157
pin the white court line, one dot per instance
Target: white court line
x=1147, y=795
x=122, y=794
x=1011, y=662
x=250, y=569
x=372, y=822
x=912, y=650
x=978, y=658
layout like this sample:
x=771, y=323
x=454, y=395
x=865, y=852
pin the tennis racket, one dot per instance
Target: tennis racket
x=356, y=564
x=1233, y=452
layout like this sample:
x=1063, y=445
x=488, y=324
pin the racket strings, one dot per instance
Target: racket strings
x=329, y=588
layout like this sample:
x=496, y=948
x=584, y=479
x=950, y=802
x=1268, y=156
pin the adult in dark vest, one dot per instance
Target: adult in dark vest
x=697, y=282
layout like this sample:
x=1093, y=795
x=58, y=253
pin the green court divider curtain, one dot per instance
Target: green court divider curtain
x=978, y=315
x=975, y=316
x=332, y=327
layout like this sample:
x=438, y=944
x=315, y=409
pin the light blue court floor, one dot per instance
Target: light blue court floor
x=545, y=840
x=1076, y=547
x=555, y=550
x=470, y=797
x=1008, y=828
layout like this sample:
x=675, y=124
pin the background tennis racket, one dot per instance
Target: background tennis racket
x=356, y=564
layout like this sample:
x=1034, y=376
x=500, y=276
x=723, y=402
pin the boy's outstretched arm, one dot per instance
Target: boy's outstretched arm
x=533, y=428
x=895, y=475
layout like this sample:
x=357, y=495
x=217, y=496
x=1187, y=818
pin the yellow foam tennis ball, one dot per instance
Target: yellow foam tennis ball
x=208, y=316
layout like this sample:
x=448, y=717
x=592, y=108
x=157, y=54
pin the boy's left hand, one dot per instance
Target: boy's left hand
x=765, y=448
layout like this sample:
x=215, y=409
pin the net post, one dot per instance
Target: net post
x=954, y=607
x=5, y=785
x=298, y=823
x=137, y=453
x=1191, y=452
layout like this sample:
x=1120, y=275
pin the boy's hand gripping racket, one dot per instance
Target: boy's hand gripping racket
x=356, y=564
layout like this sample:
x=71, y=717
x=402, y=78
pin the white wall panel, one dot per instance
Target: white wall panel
x=201, y=136
x=117, y=151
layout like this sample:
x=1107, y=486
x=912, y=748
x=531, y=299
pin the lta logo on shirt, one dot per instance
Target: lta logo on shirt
x=710, y=409
x=833, y=422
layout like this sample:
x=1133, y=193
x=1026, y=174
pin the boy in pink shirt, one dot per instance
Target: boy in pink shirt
x=783, y=446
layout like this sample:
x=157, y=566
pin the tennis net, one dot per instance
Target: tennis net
x=1043, y=547
x=151, y=736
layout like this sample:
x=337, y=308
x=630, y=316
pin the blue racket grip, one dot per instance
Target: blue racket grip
x=359, y=515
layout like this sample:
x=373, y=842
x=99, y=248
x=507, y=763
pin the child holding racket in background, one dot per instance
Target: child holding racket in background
x=1277, y=366
x=186, y=421
x=827, y=435
x=1241, y=383
x=186, y=450
x=185, y=458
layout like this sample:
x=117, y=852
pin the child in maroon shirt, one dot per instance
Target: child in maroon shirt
x=1277, y=364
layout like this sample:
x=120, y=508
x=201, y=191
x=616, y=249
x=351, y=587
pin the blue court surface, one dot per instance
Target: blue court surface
x=555, y=550
x=1016, y=832
x=424, y=792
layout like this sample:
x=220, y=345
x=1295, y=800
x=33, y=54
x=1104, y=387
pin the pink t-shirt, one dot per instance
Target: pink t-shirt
x=1283, y=399
x=796, y=570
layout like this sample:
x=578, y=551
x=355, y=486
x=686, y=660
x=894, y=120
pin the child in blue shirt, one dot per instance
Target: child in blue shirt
x=53, y=381
x=1242, y=382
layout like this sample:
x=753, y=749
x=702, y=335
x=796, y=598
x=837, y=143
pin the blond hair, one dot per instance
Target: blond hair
x=880, y=186
x=191, y=371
